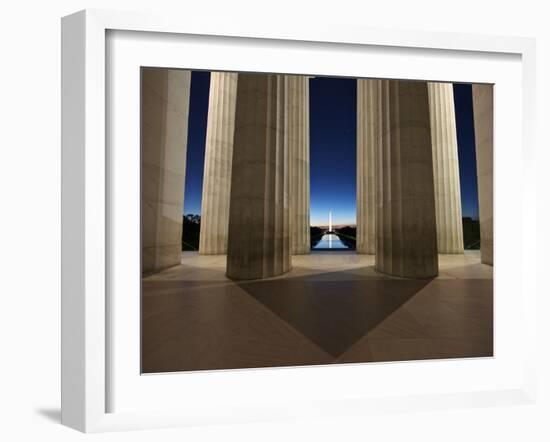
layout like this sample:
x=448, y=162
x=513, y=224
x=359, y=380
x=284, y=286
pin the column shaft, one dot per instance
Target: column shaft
x=297, y=136
x=448, y=207
x=259, y=221
x=482, y=95
x=217, y=163
x=368, y=138
x=406, y=242
x=164, y=115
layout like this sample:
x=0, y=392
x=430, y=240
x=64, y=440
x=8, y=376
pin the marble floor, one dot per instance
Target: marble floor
x=332, y=307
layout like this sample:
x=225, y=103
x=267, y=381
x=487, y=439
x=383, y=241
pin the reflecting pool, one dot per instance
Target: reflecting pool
x=330, y=241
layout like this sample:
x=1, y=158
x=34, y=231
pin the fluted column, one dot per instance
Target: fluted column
x=259, y=230
x=406, y=242
x=297, y=136
x=482, y=95
x=217, y=163
x=164, y=115
x=448, y=207
x=368, y=137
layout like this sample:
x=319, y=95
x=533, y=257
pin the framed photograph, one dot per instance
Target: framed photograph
x=265, y=224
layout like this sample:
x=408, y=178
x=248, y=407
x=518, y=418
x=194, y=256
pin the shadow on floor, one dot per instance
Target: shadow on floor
x=334, y=309
x=51, y=414
x=312, y=316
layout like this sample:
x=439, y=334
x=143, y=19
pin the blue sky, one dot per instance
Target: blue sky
x=466, y=149
x=332, y=148
x=196, y=137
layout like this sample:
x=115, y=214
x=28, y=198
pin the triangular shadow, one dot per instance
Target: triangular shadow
x=334, y=310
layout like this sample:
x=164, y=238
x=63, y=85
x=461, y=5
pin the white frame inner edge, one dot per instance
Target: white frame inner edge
x=102, y=388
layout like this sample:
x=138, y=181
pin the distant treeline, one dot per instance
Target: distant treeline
x=192, y=226
x=190, y=233
x=348, y=236
x=470, y=228
x=316, y=233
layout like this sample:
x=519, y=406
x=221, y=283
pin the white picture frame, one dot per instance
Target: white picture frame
x=88, y=321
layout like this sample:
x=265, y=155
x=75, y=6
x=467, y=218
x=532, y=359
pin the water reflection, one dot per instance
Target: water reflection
x=330, y=241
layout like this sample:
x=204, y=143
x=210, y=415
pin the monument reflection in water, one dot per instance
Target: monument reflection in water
x=330, y=240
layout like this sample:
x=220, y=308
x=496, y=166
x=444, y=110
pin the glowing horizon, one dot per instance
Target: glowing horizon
x=332, y=148
x=331, y=221
x=342, y=214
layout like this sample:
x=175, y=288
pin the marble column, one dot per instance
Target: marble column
x=368, y=137
x=482, y=95
x=164, y=115
x=406, y=241
x=297, y=137
x=448, y=207
x=217, y=163
x=259, y=218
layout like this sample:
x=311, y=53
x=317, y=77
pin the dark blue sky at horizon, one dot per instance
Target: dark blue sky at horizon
x=196, y=139
x=332, y=148
x=465, y=135
x=333, y=123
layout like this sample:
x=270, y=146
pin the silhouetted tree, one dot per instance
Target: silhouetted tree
x=190, y=233
x=347, y=235
x=471, y=233
x=316, y=233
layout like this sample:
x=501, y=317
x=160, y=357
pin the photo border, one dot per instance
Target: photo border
x=85, y=205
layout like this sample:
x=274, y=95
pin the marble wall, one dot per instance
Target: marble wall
x=368, y=138
x=259, y=217
x=448, y=206
x=217, y=163
x=255, y=203
x=297, y=137
x=482, y=95
x=406, y=241
x=164, y=114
